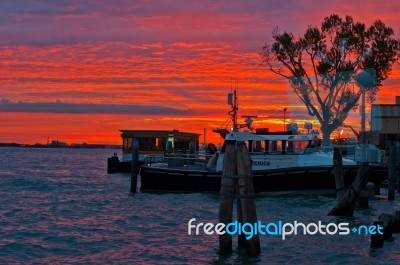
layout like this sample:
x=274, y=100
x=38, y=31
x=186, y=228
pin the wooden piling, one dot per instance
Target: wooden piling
x=377, y=240
x=367, y=192
x=226, y=194
x=237, y=181
x=247, y=195
x=378, y=189
x=397, y=167
x=112, y=163
x=387, y=220
x=241, y=237
x=390, y=224
x=362, y=202
x=338, y=170
x=392, y=173
x=347, y=204
x=396, y=222
x=135, y=164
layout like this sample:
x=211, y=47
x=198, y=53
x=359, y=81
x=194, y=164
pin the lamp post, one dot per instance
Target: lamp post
x=363, y=116
x=363, y=80
x=284, y=119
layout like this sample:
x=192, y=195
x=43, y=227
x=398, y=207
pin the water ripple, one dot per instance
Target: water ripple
x=59, y=206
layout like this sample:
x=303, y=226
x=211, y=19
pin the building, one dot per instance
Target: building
x=385, y=125
x=153, y=142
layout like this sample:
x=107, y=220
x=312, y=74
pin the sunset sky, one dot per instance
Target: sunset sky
x=79, y=71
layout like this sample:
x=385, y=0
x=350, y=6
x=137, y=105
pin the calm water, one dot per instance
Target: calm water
x=60, y=206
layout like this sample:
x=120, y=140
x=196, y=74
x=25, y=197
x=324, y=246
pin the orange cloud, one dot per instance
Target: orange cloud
x=180, y=56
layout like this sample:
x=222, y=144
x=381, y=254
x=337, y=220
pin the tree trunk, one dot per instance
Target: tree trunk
x=327, y=129
x=326, y=137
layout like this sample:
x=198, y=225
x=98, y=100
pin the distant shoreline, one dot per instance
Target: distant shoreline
x=80, y=146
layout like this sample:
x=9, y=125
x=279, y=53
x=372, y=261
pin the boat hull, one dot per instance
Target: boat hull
x=293, y=179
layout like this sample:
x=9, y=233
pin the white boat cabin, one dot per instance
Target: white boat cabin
x=282, y=151
x=276, y=143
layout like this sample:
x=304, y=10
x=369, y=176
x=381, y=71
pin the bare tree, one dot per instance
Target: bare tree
x=323, y=65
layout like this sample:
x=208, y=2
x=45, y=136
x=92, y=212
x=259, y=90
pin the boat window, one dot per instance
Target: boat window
x=147, y=143
x=250, y=146
x=267, y=144
x=161, y=143
x=284, y=146
x=278, y=146
x=183, y=144
x=127, y=144
x=304, y=146
x=274, y=146
x=157, y=143
x=258, y=146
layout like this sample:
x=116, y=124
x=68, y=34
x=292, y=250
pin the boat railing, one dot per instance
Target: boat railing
x=151, y=159
x=179, y=161
x=362, y=153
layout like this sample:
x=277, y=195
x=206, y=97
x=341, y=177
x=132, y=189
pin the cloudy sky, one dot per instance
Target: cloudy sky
x=78, y=71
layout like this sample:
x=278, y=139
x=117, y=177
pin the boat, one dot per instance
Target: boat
x=273, y=171
x=281, y=161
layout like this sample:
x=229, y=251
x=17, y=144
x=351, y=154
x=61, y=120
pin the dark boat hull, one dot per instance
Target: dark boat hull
x=294, y=179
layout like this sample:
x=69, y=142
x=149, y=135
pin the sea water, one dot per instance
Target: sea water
x=59, y=206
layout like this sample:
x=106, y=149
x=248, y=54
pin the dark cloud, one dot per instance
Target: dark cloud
x=83, y=108
x=68, y=94
x=246, y=24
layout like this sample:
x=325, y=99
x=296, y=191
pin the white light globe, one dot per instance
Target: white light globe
x=363, y=79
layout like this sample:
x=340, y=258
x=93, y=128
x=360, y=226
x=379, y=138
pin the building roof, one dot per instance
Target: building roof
x=146, y=132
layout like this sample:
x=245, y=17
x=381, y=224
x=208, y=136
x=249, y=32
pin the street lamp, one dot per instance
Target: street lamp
x=363, y=80
x=284, y=119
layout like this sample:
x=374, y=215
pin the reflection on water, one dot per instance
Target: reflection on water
x=60, y=206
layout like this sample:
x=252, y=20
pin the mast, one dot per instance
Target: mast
x=233, y=101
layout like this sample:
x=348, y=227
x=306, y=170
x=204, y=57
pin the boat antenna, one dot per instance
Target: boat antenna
x=235, y=109
x=233, y=101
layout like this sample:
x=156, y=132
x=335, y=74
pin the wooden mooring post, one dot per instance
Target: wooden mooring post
x=247, y=195
x=347, y=203
x=391, y=173
x=135, y=165
x=237, y=182
x=367, y=192
x=226, y=195
x=338, y=170
x=397, y=166
x=377, y=239
x=389, y=223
